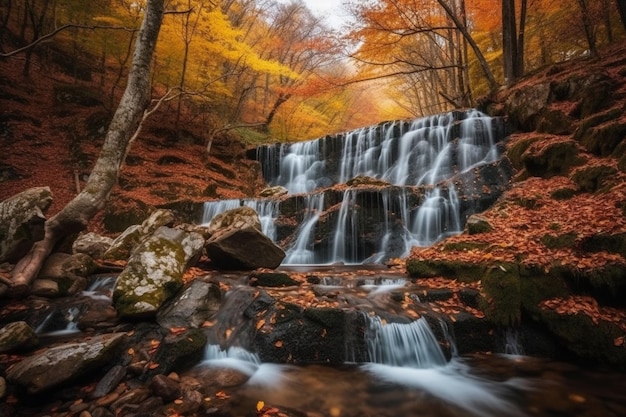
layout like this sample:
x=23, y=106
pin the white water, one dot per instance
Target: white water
x=424, y=152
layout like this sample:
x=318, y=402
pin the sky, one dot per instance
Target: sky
x=329, y=10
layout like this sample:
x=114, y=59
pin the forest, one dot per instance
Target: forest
x=274, y=67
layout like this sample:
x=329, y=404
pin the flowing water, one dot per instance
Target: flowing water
x=426, y=152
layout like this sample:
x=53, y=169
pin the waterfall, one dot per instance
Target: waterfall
x=302, y=251
x=411, y=345
x=420, y=160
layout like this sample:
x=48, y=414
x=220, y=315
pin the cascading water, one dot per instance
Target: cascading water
x=419, y=205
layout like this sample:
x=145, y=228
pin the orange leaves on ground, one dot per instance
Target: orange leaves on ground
x=192, y=273
x=278, y=344
x=588, y=306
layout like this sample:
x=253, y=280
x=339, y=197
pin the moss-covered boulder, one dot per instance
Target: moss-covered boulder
x=593, y=178
x=603, y=140
x=550, y=158
x=555, y=122
x=155, y=272
x=236, y=218
x=477, y=224
x=452, y=268
x=525, y=105
x=503, y=296
x=22, y=222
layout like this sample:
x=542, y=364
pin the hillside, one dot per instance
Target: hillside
x=51, y=130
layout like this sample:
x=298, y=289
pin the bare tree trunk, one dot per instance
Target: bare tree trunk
x=590, y=32
x=621, y=6
x=77, y=213
x=509, y=44
x=493, y=84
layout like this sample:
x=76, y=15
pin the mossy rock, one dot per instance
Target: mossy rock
x=178, y=351
x=606, y=284
x=463, y=271
x=605, y=243
x=272, y=279
x=563, y=193
x=596, y=120
x=477, y=224
x=536, y=286
x=551, y=160
x=365, y=180
x=567, y=240
x=604, y=139
x=593, y=178
x=555, y=122
x=515, y=152
x=586, y=339
x=503, y=302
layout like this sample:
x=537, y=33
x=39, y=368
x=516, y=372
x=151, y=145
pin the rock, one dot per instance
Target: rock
x=276, y=191
x=123, y=246
x=54, y=366
x=243, y=249
x=45, y=288
x=197, y=303
x=92, y=244
x=178, y=351
x=165, y=387
x=477, y=224
x=556, y=157
x=236, y=218
x=68, y=271
x=22, y=222
x=155, y=272
x=3, y=388
x=272, y=279
x=133, y=397
x=109, y=381
x=365, y=180
x=17, y=335
x=525, y=105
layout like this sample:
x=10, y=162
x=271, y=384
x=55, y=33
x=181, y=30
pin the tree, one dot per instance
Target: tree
x=621, y=5
x=77, y=213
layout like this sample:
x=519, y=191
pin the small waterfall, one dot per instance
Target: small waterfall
x=512, y=344
x=302, y=251
x=59, y=323
x=411, y=345
x=437, y=217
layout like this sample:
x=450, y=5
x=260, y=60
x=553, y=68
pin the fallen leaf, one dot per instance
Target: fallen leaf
x=260, y=324
x=279, y=343
x=260, y=405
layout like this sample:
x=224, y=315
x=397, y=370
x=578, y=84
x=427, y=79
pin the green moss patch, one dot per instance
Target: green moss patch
x=503, y=296
x=593, y=178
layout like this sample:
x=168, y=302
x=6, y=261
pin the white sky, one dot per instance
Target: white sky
x=329, y=10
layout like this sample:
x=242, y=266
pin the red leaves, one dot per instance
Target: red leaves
x=588, y=306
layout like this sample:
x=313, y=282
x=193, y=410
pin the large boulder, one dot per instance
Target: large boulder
x=54, y=366
x=68, y=272
x=131, y=238
x=197, y=303
x=92, y=244
x=22, y=222
x=245, y=248
x=154, y=273
x=236, y=218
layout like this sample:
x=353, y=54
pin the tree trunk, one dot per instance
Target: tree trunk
x=493, y=84
x=588, y=25
x=509, y=43
x=621, y=5
x=78, y=212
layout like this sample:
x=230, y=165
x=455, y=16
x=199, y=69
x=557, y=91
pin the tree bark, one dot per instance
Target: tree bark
x=78, y=212
x=493, y=84
x=621, y=5
x=509, y=44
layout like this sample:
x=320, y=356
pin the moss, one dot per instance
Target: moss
x=537, y=286
x=272, y=279
x=554, y=159
x=604, y=139
x=606, y=284
x=605, y=243
x=596, y=120
x=515, y=152
x=592, y=179
x=589, y=340
x=555, y=122
x=567, y=240
x=462, y=271
x=503, y=301
x=563, y=193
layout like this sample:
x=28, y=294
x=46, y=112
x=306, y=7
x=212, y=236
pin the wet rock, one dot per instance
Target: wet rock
x=194, y=305
x=22, y=222
x=177, y=351
x=92, y=244
x=272, y=279
x=165, y=387
x=45, y=288
x=124, y=245
x=110, y=380
x=237, y=218
x=149, y=406
x=65, y=362
x=130, y=400
x=244, y=248
x=155, y=272
x=18, y=335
